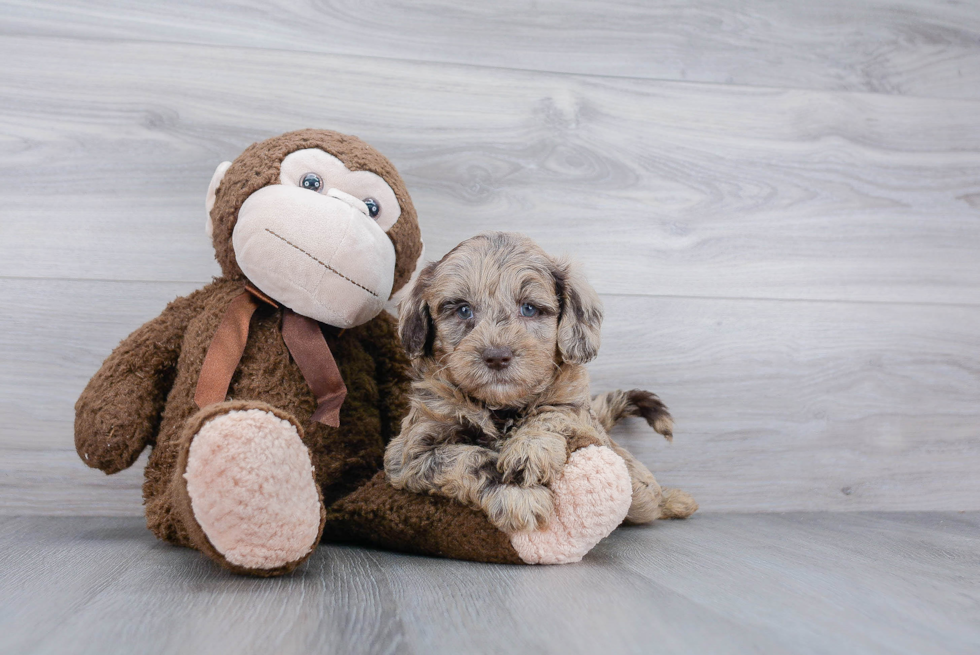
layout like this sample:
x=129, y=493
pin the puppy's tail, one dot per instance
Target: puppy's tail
x=613, y=406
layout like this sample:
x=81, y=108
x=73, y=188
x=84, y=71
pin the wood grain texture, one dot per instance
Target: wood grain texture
x=914, y=47
x=795, y=270
x=664, y=188
x=738, y=583
x=779, y=405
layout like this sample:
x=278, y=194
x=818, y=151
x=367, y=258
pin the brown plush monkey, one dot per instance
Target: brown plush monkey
x=269, y=395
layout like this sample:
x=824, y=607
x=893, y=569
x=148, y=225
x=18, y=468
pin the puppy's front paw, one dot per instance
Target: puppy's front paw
x=529, y=462
x=518, y=509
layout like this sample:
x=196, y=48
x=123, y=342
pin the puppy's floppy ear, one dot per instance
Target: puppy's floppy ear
x=414, y=320
x=580, y=313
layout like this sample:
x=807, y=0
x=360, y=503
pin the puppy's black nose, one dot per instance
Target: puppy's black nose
x=498, y=358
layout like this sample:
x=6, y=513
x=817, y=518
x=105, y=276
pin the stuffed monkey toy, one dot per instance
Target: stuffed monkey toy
x=269, y=395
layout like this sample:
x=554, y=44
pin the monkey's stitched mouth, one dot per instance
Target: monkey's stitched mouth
x=326, y=266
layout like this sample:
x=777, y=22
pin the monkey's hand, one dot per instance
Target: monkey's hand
x=119, y=411
x=518, y=509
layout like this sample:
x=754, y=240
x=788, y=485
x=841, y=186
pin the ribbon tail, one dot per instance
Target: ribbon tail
x=328, y=409
x=312, y=354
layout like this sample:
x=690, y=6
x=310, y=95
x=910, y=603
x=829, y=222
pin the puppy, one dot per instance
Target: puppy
x=499, y=333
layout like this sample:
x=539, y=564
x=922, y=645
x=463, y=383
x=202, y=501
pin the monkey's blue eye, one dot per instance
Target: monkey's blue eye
x=465, y=312
x=373, y=207
x=528, y=310
x=312, y=182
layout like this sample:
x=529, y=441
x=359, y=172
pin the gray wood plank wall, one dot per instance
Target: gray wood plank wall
x=779, y=203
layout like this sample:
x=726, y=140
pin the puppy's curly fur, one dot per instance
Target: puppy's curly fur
x=499, y=333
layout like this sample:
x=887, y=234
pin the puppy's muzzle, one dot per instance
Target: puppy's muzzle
x=497, y=358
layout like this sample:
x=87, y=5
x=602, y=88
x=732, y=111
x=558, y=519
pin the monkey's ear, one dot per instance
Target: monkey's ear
x=580, y=316
x=219, y=174
x=414, y=320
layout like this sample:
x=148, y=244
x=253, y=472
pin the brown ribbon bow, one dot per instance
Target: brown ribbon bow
x=303, y=339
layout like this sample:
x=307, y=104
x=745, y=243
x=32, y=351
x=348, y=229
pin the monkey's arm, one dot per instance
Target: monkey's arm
x=118, y=413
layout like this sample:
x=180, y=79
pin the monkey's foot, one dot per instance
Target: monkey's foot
x=251, y=490
x=591, y=499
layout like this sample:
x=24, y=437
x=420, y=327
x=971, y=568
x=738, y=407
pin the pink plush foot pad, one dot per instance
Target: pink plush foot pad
x=591, y=500
x=252, y=491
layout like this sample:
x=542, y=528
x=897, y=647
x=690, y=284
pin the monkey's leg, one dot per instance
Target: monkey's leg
x=380, y=515
x=243, y=488
x=591, y=498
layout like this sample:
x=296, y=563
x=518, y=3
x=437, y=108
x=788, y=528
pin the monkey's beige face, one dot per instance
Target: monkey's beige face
x=316, y=242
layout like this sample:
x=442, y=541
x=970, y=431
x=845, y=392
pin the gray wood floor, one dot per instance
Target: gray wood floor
x=719, y=583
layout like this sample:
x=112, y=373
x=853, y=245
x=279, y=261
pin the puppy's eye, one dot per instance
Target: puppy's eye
x=529, y=310
x=311, y=181
x=373, y=207
x=465, y=312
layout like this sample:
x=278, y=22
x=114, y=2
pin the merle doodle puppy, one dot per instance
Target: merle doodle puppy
x=499, y=333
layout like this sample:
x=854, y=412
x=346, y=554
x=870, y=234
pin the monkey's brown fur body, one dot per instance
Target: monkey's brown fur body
x=369, y=359
x=144, y=393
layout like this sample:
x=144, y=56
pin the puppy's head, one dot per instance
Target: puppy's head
x=499, y=317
